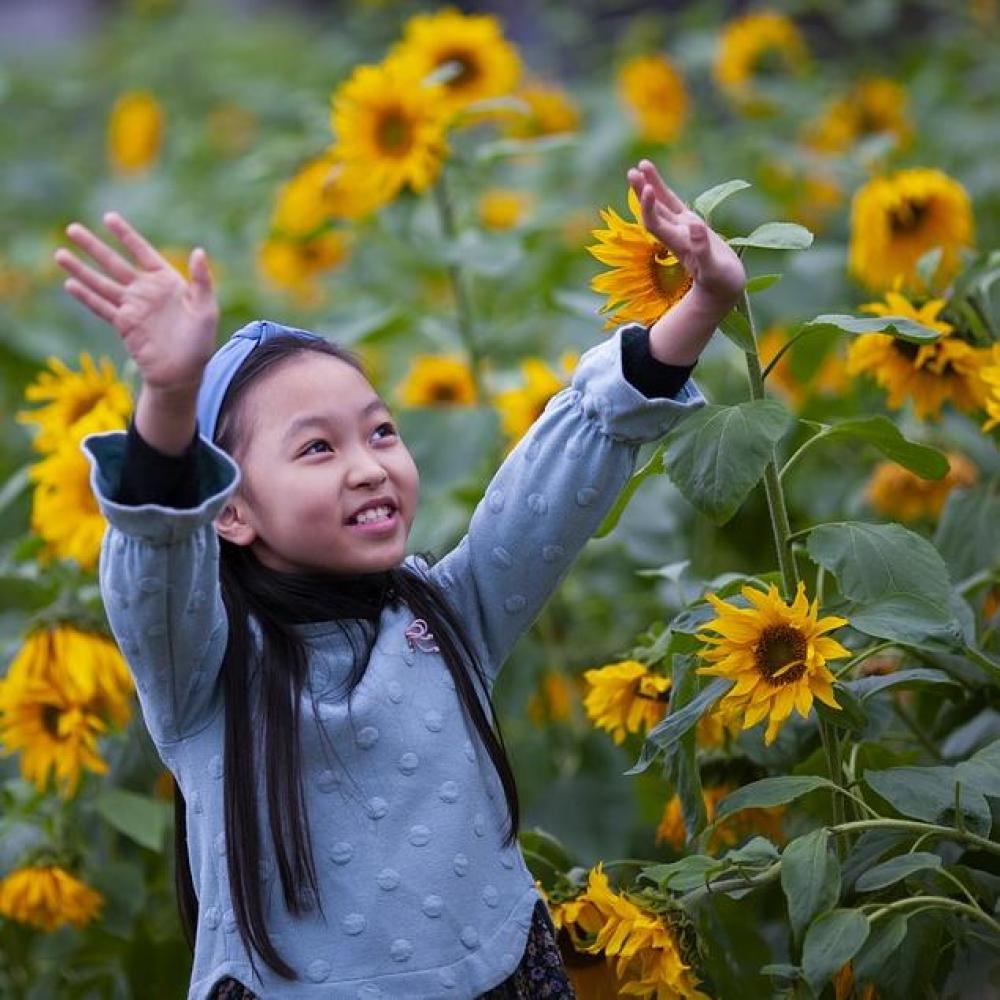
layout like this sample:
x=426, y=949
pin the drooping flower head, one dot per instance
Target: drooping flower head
x=48, y=897
x=626, y=697
x=875, y=104
x=990, y=373
x=901, y=495
x=775, y=652
x=653, y=93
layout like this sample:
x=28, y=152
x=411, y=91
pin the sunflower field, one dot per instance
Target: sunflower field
x=756, y=730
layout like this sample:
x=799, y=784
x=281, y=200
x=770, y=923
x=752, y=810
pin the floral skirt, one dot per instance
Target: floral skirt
x=540, y=973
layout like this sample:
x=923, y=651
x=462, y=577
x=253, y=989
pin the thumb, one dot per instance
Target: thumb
x=698, y=234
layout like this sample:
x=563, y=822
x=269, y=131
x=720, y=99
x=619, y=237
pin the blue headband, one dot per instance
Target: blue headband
x=223, y=365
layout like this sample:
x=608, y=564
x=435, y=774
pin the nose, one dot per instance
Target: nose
x=366, y=471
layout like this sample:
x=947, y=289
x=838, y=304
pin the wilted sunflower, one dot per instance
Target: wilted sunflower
x=646, y=278
x=897, y=218
x=438, y=380
x=485, y=63
x=520, y=408
x=990, y=373
x=775, y=652
x=649, y=957
x=391, y=125
x=653, y=93
x=945, y=369
x=752, y=47
x=69, y=396
x=503, y=208
x=47, y=897
x=135, y=131
x=874, y=104
x=738, y=827
x=550, y=111
x=902, y=495
x=294, y=265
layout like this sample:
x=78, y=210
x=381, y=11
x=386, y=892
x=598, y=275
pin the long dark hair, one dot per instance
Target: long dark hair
x=276, y=601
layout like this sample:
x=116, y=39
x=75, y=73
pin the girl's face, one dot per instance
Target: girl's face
x=321, y=444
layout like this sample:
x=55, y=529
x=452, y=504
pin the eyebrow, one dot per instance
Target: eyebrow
x=320, y=420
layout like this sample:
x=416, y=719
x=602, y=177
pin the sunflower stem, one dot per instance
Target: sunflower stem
x=945, y=902
x=916, y=826
x=463, y=301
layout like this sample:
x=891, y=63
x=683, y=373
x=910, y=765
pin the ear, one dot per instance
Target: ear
x=233, y=524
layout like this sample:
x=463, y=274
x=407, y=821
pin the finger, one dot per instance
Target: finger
x=667, y=195
x=93, y=301
x=659, y=223
x=104, y=287
x=109, y=259
x=201, y=275
x=143, y=251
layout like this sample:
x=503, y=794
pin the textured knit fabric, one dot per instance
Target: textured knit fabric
x=419, y=898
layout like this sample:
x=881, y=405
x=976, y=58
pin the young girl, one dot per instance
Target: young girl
x=346, y=813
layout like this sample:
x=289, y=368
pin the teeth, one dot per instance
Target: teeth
x=373, y=514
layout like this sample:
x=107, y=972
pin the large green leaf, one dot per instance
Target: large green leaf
x=737, y=328
x=908, y=618
x=832, y=940
x=896, y=326
x=982, y=770
x=717, y=455
x=867, y=687
x=896, y=869
x=810, y=878
x=885, y=435
x=709, y=200
x=653, y=467
x=776, y=236
x=886, y=937
x=967, y=534
x=772, y=792
x=682, y=769
x=140, y=817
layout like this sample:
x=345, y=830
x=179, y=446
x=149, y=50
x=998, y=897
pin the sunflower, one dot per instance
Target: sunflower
x=438, y=380
x=294, y=265
x=391, y=126
x=553, y=701
x=990, y=374
x=648, y=955
x=904, y=496
x=653, y=93
x=135, y=131
x=874, y=104
x=69, y=396
x=485, y=64
x=520, y=408
x=897, y=218
x=752, y=46
x=775, y=652
x=945, y=369
x=829, y=379
x=729, y=833
x=646, y=278
x=48, y=897
x=625, y=697
x=550, y=111
x=503, y=208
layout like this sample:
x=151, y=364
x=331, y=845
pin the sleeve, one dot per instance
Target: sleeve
x=149, y=475
x=549, y=496
x=159, y=579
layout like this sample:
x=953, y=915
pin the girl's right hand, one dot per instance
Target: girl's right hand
x=168, y=325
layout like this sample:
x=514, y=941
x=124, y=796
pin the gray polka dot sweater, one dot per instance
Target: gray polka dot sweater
x=407, y=816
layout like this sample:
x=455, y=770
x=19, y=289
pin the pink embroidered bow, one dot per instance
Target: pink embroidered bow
x=418, y=636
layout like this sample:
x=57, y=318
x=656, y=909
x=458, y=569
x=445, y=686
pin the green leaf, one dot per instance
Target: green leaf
x=966, y=534
x=709, y=200
x=927, y=265
x=737, y=328
x=682, y=769
x=886, y=937
x=851, y=715
x=16, y=484
x=759, y=282
x=653, y=467
x=896, y=869
x=982, y=770
x=684, y=875
x=832, y=940
x=665, y=734
x=867, y=687
x=928, y=794
x=871, y=561
x=896, y=326
x=885, y=435
x=772, y=792
x=776, y=236
x=911, y=619
x=718, y=454
x=139, y=817
x=521, y=147
x=810, y=878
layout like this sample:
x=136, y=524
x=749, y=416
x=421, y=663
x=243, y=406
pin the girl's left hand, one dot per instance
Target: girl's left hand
x=706, y=256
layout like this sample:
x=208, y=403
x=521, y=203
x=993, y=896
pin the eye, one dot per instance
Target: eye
x=390, y=429
x=308, y=448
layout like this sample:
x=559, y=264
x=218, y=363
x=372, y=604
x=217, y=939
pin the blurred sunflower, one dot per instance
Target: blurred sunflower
x=874, y=104
x=550, y=111
x=625, y=697
x=754, y=46
x=649, y=954
x=503, y=208
x=70, y=396
x=734, y=829
x=645, y=279
x=829, y=380
x=553, y=700
x=294, y=265
x=902, y=495
x=775, y=652
x=438, y=380
x=807, y=195
x=990, y=374
x=485, y=64
x=652, y=91
x=520, y=408
x=391, y=125
x=897, y=218
x=945, y=369
x=48, y=897
x=135, y=131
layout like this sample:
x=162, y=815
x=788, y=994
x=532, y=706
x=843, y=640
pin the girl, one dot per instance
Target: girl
x=346, y=813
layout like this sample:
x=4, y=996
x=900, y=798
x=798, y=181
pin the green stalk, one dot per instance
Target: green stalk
x=915, y=826
x=942, y=902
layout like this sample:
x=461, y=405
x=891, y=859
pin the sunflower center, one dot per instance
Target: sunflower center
x=83, y=405
x=771, y=61
x=50, y=720
x=443, y=392
x=668, y=276
x=395, y=134
x=907, y=216
x=780, y=654
x=466, y=70
x=907, y=348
